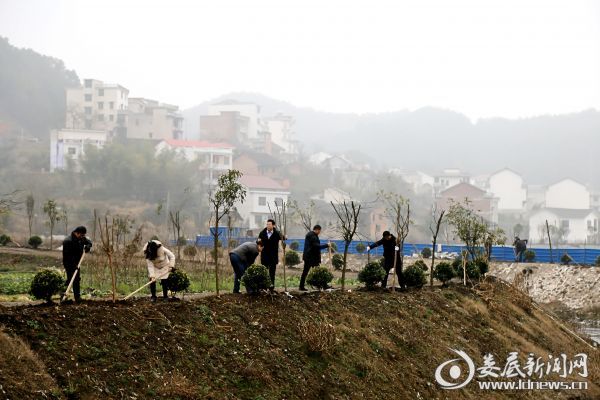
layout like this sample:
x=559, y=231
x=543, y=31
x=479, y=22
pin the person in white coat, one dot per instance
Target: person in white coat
x=160, y=261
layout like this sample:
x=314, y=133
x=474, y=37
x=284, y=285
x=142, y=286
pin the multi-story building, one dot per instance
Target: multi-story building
x=261, y=193
x=510, y=190
x=448, y=178
x=67, y=146
x=149, y=119
x=229, y=126
x=248, y=110
x=484, y=204
x=95, y=105
x=282, y=132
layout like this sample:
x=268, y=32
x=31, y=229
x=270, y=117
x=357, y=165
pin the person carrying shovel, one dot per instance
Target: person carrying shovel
x=160, y=262
x=73, y=248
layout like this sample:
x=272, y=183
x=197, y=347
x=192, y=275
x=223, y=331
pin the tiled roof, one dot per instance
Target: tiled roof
x=261, y=182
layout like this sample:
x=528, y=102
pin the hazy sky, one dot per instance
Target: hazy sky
x=482, y=58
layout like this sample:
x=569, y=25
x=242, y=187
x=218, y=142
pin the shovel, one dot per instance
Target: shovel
x=145, y=285
x=64, y=297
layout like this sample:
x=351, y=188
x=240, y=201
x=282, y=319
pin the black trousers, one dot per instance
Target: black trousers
x=165, y=288
x=272, y=269
x=76, y=282
x=387, y=266
x=307, y=267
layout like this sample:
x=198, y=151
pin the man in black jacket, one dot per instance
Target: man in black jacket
x=312, y=253
x=520, y=247
x=73, y=248
x=388, y=241
x=269, y=257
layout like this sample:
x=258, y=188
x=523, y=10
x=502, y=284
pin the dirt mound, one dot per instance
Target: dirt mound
x=315, y=346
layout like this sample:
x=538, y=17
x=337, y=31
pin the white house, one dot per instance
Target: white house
x=215, y=158
x=334, y=195
x=567, y=193
x=67, y=146
x=420, y=182
x=508, y=187
x=282, y=132
x=577, y=225
x=261, y=192
x=448, y=178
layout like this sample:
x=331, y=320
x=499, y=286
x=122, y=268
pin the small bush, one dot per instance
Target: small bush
x=190, y=251
x=457, y=263
x=292, y=258
x=319, y=277
x=483, y=266
x=181, y=241
x=360, y=248
x=426, y=252
x=35, y=241
x=178, y=281
x=318, y=336
x=421, y=264
x=295, y=246
x=337, y=261
x=414, y=276
x=334, y=246
x=46, y=284
x=529, y=256
x=233, y=243
x=443, y=272
x=473, y=271
x=565, y=259
x=256, y=278
x=371, y=275
x=5, y=239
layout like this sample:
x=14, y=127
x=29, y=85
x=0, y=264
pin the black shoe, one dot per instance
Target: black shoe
x=153, y=299
x=303, y=289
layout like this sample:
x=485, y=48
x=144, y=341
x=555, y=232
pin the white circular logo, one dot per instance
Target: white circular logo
x=455, y=371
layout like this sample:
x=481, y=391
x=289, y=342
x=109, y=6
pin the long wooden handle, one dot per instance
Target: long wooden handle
x=330, y=257
x=73, y=278
x=143, y=286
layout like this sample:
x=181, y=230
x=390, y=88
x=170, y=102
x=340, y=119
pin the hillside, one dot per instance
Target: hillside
x=374, y=345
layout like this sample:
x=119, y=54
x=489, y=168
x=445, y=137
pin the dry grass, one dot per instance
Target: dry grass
x=318, y=336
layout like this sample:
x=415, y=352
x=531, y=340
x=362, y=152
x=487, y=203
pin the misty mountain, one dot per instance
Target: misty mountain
x=543, y=149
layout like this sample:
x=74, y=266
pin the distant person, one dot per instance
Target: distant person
x=160, y=262
x=312, y=253
x=269, y=256
x=388, y=241
x=73, y=248
x=241, y=258
x=520, y=247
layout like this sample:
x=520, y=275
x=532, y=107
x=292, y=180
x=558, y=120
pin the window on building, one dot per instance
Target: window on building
x=88, y=83
x=72, y=151
x=100, y=92
x=88, y=97
x=88, y=110
x=262, y=201
x=111, y=105
x=100, y=117
x=100, y=105
x=259, y=220
x=88, y=124
x=150, y=135
x=111, y=118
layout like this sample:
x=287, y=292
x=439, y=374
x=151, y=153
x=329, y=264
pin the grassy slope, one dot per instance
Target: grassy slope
x=388, y=345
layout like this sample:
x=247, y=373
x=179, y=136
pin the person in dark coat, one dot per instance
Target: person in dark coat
x=312, y=253
x=241, y=258
x=388, y=241
x=269, y=256
x=73, y=248
x=520, y=247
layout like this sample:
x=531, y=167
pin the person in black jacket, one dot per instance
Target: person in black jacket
x=388, y=241
x=520, y=247
x=73, y=248
x=269, y=257
x=312, y=253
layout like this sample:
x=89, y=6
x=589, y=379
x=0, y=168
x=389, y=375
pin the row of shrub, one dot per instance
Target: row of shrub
x=34, y=241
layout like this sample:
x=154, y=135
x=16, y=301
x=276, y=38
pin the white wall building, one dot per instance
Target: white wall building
x=150, y=119
x=249, y=110
x=567, y=193
x=448, y=178
x=282, y=132
x=261, y=192
x=578, y=225
x=420, y=182
x=67, y=146
x=508, y=187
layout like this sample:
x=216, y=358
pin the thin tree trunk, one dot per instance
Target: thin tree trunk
x=549, y=242
x=216, y=255
x=346, y=245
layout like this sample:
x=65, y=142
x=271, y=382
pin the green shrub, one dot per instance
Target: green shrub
x=371, y=275
x=360, y=248
x=292, y=258
x=35, y=241
x=565, y=259
x=190, y=251
x=414, y=276
x=457, y=262
x=421, y=264
x=295, y=245
x=319, y=277
x=181, y=241
x=334, y=246
x=46, y=284
x=529, y=256
x=473, y=271
x=426, y=252
x=443, y=272
x=256, y=278
x=337, y=261
x=483, y=266
x=4, y=239
x=178, y=281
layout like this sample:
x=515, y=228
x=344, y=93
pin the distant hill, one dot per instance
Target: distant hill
x=543, y=149
x=32, y=89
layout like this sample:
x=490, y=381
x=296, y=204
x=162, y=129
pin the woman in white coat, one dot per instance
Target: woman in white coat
x=160, y=261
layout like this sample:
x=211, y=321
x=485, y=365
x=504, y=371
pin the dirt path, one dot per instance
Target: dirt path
x=32, y=252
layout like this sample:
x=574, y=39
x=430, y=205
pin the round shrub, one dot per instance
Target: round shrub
x=295, y=245
x=443, y=272
x=473, y=271
x=426, y=252
x=35, y=241
x=483, y=266
x=319, y=277
x=371, y=275
x=360, y=248
x=178, y=281
x=256, y=278
x=457, y=263
x=46, y=284
x=5, y=239
x=292, y=258
x=190, y=251
x=529, y=256
x=414, y=276
x=421, y=264
x=565, y=259
x=337, y=261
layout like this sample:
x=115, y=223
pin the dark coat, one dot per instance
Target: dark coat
x=247, y=252
x=520, y=245
x=73, y=249
x=388, y=248
x=312, y=249
x=270, y=253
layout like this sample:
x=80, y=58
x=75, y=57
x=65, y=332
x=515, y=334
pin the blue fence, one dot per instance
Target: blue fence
x=499, y=253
